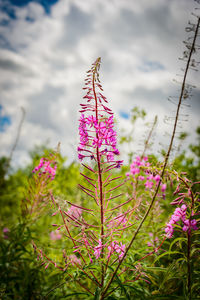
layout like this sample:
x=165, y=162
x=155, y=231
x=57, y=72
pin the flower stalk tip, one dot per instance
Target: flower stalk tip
x=96, y=123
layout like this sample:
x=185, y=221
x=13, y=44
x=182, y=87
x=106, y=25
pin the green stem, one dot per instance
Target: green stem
x=188, y=265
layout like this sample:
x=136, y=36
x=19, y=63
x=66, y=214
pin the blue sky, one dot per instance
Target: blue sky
x=4, y=120
x=47, y=4
x=47, y=46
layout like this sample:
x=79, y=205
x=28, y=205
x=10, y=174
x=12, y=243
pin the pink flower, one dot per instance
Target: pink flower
x=193, y=224
x=119, y=163
x=150, y=177
x=74, y=260
x=136, y=165
x=46, y=266
x=91, y=120
x=120, y=220
x=163, y=187
x=134, y=170
x=97, y=249
x=116, y=151
x=110, y=156
x=180, y=215
x=116, y=247
x=183, y=207
x=169, y=230
x=80, y=156
x=188, y=225
x=185, y=228
x=120, y=250
x=55, y=235
x=96, y=122
x=110, y=251
x=6, y=232
x=74, y=212
x=149, y=184
x=46, y=167
x=157, y=178
x=149, y=244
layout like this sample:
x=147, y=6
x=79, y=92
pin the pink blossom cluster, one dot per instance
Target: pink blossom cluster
x=46, y=168
x=137, y=170
x=97, y=249
x=96, y=127
x=97, y=135
x=74, y=212
x=84, y=139
x=153, y=241
x=180, y=215
x=137, y=163
x=55, y=235
x=115, y=246
x=120, y=220
x=74, y=260
x=6, y=232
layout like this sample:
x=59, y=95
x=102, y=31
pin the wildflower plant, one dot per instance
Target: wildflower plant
x=94, y=231
x=93, y=241
x=182, y=233
x=98, y=227
x=97, y=232
x=143, y=173
x=101, y=241
x=39, y=188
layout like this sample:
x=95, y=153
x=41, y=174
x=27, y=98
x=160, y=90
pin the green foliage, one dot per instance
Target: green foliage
x=11, y=192
x=137, y=113
x=21, y=277
x=160, y=274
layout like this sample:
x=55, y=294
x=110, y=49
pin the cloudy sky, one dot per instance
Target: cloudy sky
x=47, y=46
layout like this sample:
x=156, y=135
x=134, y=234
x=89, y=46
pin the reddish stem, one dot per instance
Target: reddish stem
x=99, y=181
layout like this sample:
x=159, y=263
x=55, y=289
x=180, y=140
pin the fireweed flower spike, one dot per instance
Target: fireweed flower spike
x=98, y=139
x=180, y=215
x=98, y=240
x=140, y=170
x=46, y=167
x=98, y=143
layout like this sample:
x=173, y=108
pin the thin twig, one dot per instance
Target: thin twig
x=16, y=140
x=146, y=143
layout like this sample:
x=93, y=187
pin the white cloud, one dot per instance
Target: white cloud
x=44, y=59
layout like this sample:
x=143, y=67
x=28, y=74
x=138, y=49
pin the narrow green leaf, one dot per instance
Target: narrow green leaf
x=179, y=239
x=122, y=287
x=97, y=293
x=75, y=294
x=167, y=253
